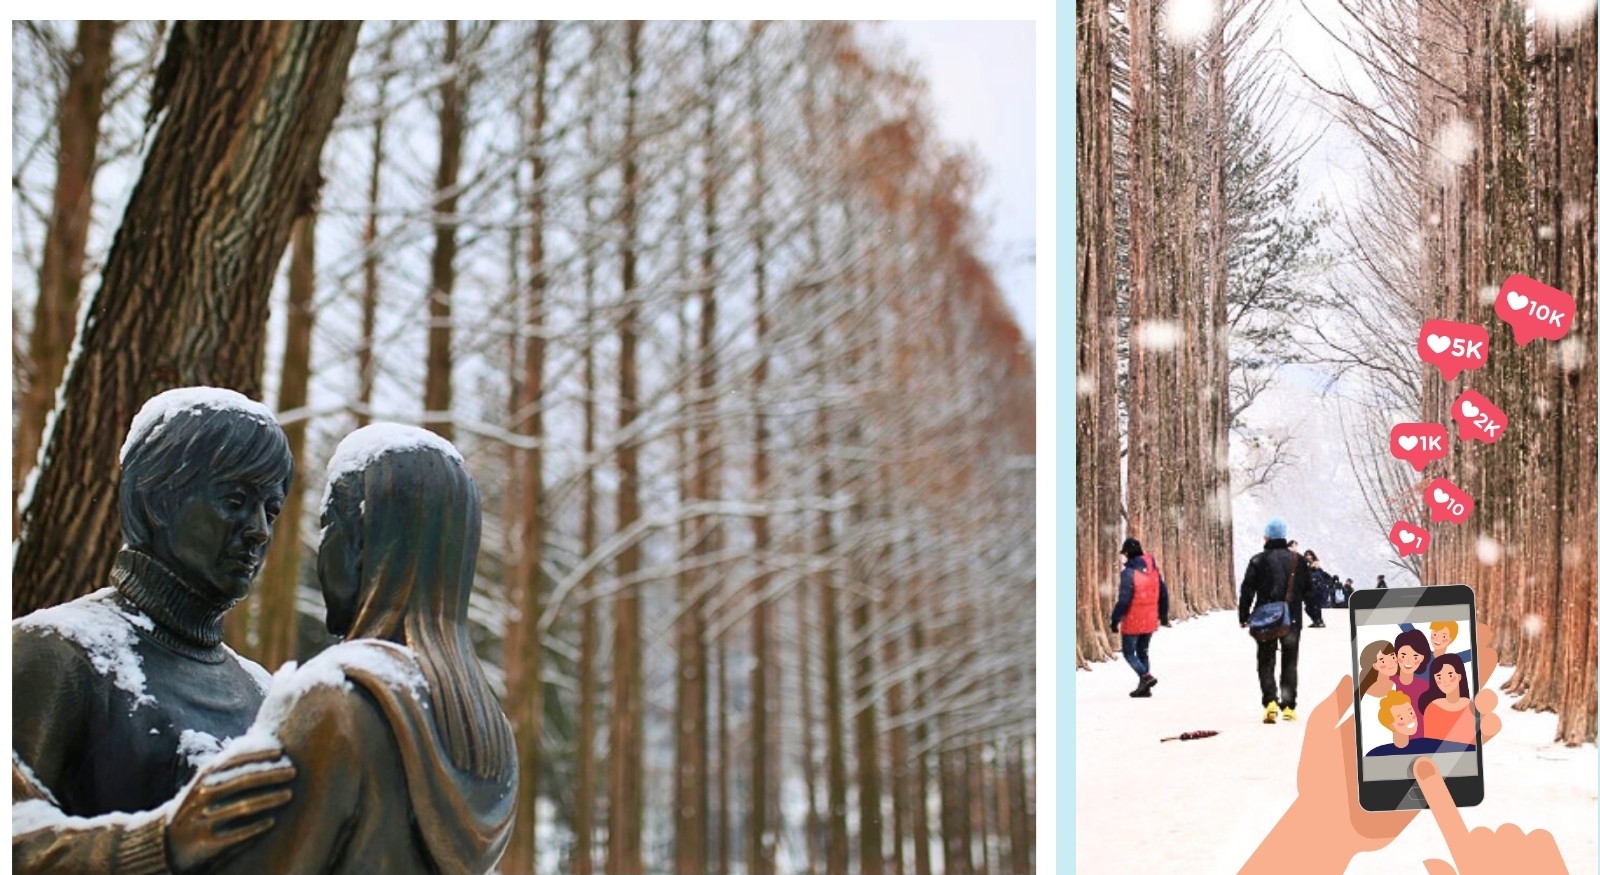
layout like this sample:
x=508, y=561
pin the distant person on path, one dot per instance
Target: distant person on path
x=1276, y=574
x=1381, y=583
x=1319, y=589
x=1349, y=587
x=1141, y=604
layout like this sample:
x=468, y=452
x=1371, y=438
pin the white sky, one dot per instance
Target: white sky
x=981, y=76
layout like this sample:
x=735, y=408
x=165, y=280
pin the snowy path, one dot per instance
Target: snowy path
x=1203, y=806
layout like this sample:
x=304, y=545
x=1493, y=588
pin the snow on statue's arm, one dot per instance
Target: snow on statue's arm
x=44, y=840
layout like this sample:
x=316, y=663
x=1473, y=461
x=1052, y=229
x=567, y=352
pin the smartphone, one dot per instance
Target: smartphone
x=1411, y=655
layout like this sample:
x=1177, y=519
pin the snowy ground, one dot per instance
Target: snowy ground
x=1203, y=806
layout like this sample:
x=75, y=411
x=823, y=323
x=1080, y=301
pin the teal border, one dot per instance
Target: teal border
x=1066, y=521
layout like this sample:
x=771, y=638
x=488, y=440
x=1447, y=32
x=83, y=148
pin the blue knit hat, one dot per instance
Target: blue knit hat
x=1277, y=529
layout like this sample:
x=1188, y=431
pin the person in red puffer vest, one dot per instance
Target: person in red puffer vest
x=1141, y=604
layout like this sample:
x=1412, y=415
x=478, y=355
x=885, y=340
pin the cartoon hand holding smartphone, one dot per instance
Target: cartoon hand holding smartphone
x=1415, y=675
x=1335, y=784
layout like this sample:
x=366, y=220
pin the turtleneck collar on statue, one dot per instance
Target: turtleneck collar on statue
x=185, y=620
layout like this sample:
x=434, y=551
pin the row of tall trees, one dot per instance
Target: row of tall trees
x=1192, y=249
x=703, y=306
x=1480, y=130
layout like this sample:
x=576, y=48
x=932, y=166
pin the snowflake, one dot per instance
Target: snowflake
x=1187, y=21
x=1159, y=335
x=1453, y=146
x=1489, y=551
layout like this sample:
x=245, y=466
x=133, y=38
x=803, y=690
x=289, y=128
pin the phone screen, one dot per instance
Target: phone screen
x=1415, y=681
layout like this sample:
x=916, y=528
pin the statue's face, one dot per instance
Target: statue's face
x=339, y=560
x=219, y=532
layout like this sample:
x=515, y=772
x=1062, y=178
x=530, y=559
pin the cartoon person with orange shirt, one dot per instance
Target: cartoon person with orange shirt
x=1447, y=707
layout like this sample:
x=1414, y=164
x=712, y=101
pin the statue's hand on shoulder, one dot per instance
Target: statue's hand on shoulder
x=230, y=803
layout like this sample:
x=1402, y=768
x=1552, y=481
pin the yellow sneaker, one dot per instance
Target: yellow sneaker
x=1288, y=714
x=1272, y=714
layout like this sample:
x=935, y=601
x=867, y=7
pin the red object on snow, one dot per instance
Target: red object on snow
x=1190, y=736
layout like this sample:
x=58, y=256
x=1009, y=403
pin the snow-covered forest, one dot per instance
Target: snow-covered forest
x=703, y=307
x=1218, y=290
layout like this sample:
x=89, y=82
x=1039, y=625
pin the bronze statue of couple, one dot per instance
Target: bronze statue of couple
x=143, y=744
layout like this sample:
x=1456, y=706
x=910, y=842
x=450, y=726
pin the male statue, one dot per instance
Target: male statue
x=120, y=697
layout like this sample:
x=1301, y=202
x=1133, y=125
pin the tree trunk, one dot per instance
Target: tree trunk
x=278, y=616
x=583, y=813
x=980, y=823
x=442, y=266
x=61, y=274
x=1002, y=811
x=760, y=849
x=694, y=720
x=832, y=681
x=524, y=645
x=1219, y=497
x=808, y=747
x=897, y=752
x=1143, y=500
x=1099, y=475
x=1021, y=822
x=624, y=849
x=1565, y=255
x=189, y=274
x=724, y=826
x=920, y=839
x=868, y=782
x=366, y=370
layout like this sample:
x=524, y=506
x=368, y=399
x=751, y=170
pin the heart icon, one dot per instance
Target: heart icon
x=1516, y=301
x=1407, y=537
x=1438, y=342
x=1407, y=443
x=1439, y=497
x=1469, y=409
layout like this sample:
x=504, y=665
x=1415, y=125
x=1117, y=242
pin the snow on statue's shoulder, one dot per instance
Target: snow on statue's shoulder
x=191, y=400
x=365, y=445
x=391, y=664
x=104, y=629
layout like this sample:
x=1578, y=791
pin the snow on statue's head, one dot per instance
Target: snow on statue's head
x=184, y=439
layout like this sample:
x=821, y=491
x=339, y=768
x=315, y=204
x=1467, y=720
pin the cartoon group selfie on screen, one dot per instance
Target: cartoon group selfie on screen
x=1416, y=691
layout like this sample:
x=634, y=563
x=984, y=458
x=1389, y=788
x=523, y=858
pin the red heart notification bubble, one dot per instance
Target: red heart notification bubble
x=1533, y=309
x=1408, y=539
x=1447, y=502
x=1453, y=347
x=1477, y=419
x=1419, y=443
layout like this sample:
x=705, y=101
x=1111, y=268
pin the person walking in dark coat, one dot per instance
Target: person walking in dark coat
x=1141, y=604
x=1381, y=583
x=1276, y=574
x=1319, y=590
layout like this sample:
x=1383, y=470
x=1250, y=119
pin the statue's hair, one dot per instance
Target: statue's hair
x=220, y=444
x=420, y=522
